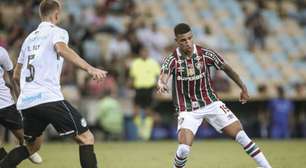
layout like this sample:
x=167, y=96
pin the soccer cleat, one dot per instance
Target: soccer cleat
x=36, y=158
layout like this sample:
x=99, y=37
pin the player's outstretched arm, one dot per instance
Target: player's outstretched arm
x=244, y=96
x=66, y=52
x=162, y=83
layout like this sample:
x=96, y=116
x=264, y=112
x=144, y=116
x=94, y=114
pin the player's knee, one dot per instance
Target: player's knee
x=86, y=138
x=183, y=150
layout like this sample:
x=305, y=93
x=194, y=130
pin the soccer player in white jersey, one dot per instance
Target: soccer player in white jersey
x=9, y=115
x=41, y=101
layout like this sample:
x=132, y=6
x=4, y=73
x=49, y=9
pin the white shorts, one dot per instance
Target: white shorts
x=216, y=114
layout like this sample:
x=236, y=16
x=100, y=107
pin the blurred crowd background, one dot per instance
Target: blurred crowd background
x=263, y=40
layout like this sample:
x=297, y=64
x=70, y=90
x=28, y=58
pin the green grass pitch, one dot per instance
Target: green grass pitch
x=205, y=154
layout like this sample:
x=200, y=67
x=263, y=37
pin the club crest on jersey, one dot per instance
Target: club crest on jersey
x=190, y=71
x=197, y=58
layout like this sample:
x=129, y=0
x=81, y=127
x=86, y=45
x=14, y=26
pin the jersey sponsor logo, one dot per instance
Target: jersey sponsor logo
x=189, y=78
x=180, y=69
x=37, y=38
x=29, y=99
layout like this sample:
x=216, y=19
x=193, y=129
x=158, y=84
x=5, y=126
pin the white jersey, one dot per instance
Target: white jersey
x=41, y=70
x=6, y=65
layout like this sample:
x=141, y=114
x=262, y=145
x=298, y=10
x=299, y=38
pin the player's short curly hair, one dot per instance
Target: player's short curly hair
x=46, y=7
x=181, y=28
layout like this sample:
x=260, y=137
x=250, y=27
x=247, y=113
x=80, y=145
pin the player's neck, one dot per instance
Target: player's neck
x=49, y=20
x=186, y=53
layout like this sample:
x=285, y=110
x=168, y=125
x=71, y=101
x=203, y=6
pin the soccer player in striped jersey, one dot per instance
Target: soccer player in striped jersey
x=195, y=99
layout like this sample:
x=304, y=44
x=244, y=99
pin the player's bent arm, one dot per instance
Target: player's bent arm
x=16, y=74
x=162, y=83
x=15, y=84
x=163, y=77
x=244, y=96
x=233, y=75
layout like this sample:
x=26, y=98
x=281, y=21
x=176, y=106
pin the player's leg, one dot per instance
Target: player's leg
x=185, y=139
x=86, y=150
x=7, y=121
x=18, y=133
x=223, y=120
x=187, y=128
x=14, y=123
x=3, y=152
x=68, y=121
x=235, y=131
x=33, y=128
x=35, y=157
x=18, y=154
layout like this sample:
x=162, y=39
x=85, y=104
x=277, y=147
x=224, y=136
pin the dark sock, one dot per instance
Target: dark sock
x=87, y=156
x=3, y=153
x=14, y=157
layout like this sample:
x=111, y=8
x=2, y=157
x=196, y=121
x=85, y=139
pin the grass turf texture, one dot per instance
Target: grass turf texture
x=204, y=154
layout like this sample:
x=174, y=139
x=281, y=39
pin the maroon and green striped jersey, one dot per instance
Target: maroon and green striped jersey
x=191, y=84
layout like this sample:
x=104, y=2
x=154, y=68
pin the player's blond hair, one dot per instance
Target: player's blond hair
x=46, y=7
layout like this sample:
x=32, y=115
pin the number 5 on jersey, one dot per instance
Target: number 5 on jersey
x=31, y=68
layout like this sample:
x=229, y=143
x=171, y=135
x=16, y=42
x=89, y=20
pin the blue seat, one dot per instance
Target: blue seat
x=206, y=14
x=272, y=19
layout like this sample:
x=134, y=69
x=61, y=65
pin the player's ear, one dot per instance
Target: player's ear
x=57, y=15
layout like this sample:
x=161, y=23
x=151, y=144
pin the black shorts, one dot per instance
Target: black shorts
x=64, y=118
x=10, y=118
x=144, y=97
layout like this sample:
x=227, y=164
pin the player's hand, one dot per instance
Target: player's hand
x=162, y=87
x=244, y=95
x=97, y=74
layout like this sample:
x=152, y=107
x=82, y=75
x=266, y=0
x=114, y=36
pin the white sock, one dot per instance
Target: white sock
x=181, y=156
x=252, y=149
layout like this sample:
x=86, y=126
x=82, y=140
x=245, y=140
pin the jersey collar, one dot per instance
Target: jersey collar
x=43, y=24
x=180, y=55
